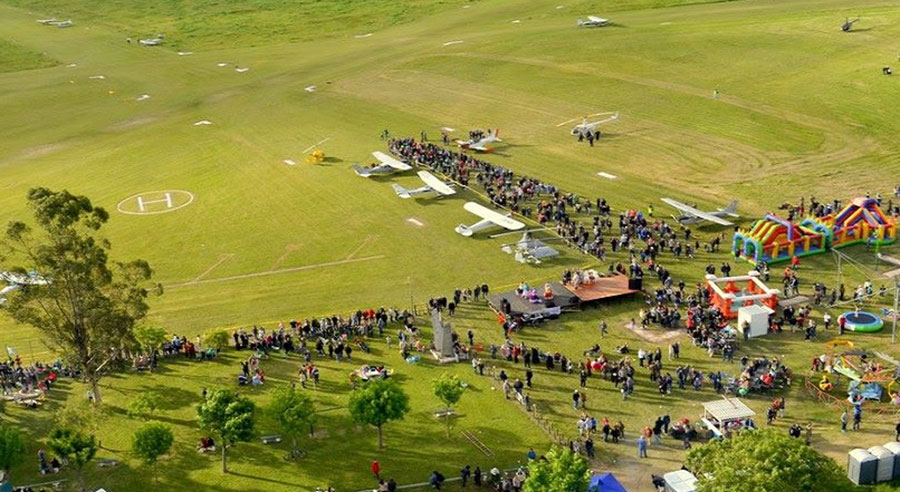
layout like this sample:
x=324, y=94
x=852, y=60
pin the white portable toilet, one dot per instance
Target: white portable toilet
x=894, y=447
x=680, y=481
x=862, y=467
x=757, y=317
x=885, y=463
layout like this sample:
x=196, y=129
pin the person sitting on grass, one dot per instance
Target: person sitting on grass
x=207, y=445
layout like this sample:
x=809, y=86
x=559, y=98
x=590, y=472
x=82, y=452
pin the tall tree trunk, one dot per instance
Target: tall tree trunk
x=380, y=437
x=224, y=460
x=95, y=389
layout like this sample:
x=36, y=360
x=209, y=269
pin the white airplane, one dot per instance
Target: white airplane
x=589, y=127
x=480, y=145
x=151, y=42
x=48, y=22
x=489, y=218
x=529, y=250
x=65, y=23
x=17, y=280
x=432, y=183
x=691, y=215
x=593, y=21
x=388, y=165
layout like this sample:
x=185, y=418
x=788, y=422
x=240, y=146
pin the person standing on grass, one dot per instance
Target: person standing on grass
x=845, y=417
x=464, y=475
x=376, y=469
x=808, y=433
x=576, y=396
x=857, y=416
x=642, y=446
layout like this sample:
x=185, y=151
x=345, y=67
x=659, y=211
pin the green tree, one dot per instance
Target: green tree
x=80, y=415
x=76, y=447
x=449, y=389
x=88, y=308
x=12, y=449
x=149, y=338
x=563, y=471
x=145, y=405
x=228, y=417
x=764, y=460
x=151, y=441
x=378, y=402
x=295, y=413
x=218, y=339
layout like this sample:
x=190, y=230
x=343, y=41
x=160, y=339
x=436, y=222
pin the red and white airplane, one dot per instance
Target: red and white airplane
x=480, y=145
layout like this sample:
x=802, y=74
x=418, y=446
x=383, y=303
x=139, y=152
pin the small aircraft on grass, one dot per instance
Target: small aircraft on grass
x=480, y=145
x=593, y=21
x=691, y=215
x=489, y=218
x=847, y=26
x=590, y=127
x=529, y=250
x=17, y=281
x=432, y=184
x=151, y=42
x=388, y=165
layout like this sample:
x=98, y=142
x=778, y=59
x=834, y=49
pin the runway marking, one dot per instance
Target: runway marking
x=607, y=175
x=289, y=162
x=288, y=249
x=222, y=259
x=203, y=123
x=361, y=246
x=361, y=36
x=415, y=222
x=320, y=142
x=274, y=272
x=451, y=43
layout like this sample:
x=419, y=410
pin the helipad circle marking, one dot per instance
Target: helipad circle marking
x=155, y=202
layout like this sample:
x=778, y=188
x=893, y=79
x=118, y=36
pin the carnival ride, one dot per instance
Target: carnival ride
x=868, y=375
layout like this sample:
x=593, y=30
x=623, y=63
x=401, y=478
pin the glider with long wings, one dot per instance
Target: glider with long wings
x=691, y=215
x=489, y=218
x=432, y=184
x=387, y=165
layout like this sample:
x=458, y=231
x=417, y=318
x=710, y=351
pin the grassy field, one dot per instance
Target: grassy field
x=803, y=110
x=14, y=58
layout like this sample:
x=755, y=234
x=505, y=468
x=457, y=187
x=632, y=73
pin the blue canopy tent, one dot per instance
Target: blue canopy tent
x=606, y=482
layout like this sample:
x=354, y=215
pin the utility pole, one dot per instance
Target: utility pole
x=895, y=276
